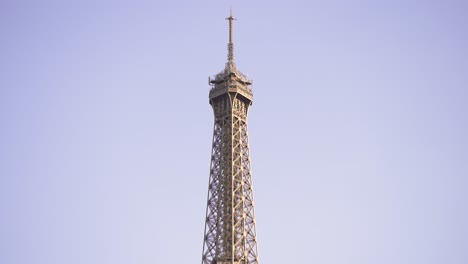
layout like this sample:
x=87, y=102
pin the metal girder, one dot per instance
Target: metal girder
x=230, y=234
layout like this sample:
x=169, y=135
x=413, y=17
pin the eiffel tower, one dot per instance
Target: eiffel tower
x=230, y=234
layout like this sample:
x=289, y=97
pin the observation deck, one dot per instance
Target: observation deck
x=230, y=80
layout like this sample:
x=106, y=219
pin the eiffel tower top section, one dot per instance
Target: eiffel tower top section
x=230, y=79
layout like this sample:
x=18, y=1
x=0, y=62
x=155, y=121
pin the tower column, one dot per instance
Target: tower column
x=230, y=232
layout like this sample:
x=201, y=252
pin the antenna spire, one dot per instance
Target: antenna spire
x=231, y=43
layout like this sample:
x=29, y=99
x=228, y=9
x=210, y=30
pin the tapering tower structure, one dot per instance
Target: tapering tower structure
x=230, y=234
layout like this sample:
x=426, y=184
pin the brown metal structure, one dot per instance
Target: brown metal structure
x=230, y=234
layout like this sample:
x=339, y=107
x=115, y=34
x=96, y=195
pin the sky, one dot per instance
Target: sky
x=358, y=129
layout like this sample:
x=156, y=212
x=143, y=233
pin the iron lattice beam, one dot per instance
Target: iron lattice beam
x=230, y=234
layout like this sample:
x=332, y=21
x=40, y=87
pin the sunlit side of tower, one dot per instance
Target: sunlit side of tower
x=230, y=234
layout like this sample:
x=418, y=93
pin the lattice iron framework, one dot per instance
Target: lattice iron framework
x=230, y=234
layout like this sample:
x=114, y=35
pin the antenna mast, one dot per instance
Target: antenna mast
x=231, y=43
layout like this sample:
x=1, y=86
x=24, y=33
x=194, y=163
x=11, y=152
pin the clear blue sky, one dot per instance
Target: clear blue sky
x=358, y=129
